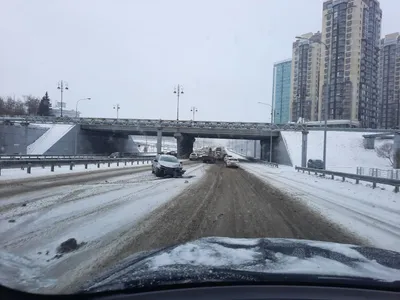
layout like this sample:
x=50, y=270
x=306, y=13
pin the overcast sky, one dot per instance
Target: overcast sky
x=135, y=52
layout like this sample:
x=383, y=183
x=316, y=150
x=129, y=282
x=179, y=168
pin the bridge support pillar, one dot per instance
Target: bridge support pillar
x=255, y=149
x=184, y=145
x=159, y=141
x=396, y=150
x=304, y=148
x=265, y=149
x=369, y=142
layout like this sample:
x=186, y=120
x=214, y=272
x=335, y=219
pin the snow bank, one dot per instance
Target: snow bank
x=49, y=138
x=345, y=150
x=103, y=214
x=373, y=214
x=234, y=154
x=92, y=211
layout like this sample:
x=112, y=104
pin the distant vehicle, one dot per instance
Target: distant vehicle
x=227, y=157
x=232, y=163
x=164, y=165
x=208, y=156
x=315, y=164
x=115, y=155
x=173, y=153
x=123, y=154
x=219, y=153
x=193, y=156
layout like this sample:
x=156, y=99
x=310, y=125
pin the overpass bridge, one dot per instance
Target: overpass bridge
x=183, y=130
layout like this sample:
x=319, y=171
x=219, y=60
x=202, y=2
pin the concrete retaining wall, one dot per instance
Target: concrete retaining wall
x=15, y=138
x=91, y=142
x=280, y=152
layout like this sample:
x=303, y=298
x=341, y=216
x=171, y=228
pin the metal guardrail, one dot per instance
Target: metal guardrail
x=357, y=178
x=38, y=156
x=28, y=164
x=375, y=172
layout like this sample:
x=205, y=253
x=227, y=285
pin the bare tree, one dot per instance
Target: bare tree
x=2, y=106
x=32, y=105
x=386, y=151
x=19, y=108
x=10, y=106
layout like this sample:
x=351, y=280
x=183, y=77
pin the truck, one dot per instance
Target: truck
x=208, y=156
x=220, y=153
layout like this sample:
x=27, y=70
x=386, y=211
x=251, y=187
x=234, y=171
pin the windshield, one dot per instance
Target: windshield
x=169, y=159
x=144, y=137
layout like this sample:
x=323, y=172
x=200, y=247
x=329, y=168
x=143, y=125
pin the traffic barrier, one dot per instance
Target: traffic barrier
x=374, y=180
x=29, y=163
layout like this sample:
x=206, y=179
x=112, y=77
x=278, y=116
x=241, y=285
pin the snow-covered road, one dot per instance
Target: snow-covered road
x=372, y=214
x=96, y=214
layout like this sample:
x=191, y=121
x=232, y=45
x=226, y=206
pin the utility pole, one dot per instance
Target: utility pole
x=272, y=122
x=61, y=86
x=178, y=90
x=194, y=110
x=117, y=107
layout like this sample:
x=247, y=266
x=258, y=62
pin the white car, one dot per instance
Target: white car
x=227, y=157
x=232, y=163
x=193, y=156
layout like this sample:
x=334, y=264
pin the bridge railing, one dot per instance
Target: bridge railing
x=157, y=123
x=28, y=164
x=374, y=180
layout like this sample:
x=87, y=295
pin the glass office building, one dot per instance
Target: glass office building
x=281, y=91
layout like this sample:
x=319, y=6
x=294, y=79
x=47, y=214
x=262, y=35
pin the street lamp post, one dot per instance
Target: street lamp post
x=61, y=86
x=178, y=91
x=328, y=87
x=194, y=110
x=117, y=107
x=272, y=121
x=76, y=129
x=77, y=102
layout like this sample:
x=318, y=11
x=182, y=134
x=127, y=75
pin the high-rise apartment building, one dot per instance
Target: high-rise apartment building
x=306, y=60
x=351, y=31
x=281, y=91
x=389, y=81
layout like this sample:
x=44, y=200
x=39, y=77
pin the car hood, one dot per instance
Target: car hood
x=252, y=260
x=169, y=164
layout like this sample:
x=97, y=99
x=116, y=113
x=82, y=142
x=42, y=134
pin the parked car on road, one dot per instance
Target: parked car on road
x=315, y=164
x=164, y=165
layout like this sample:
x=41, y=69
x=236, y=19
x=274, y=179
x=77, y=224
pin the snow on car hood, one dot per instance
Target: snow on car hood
x=204, y=258
x=170, y=164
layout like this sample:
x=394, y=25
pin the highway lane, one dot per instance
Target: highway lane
x=233, y=203
x=229, y=203
x=119, y=216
